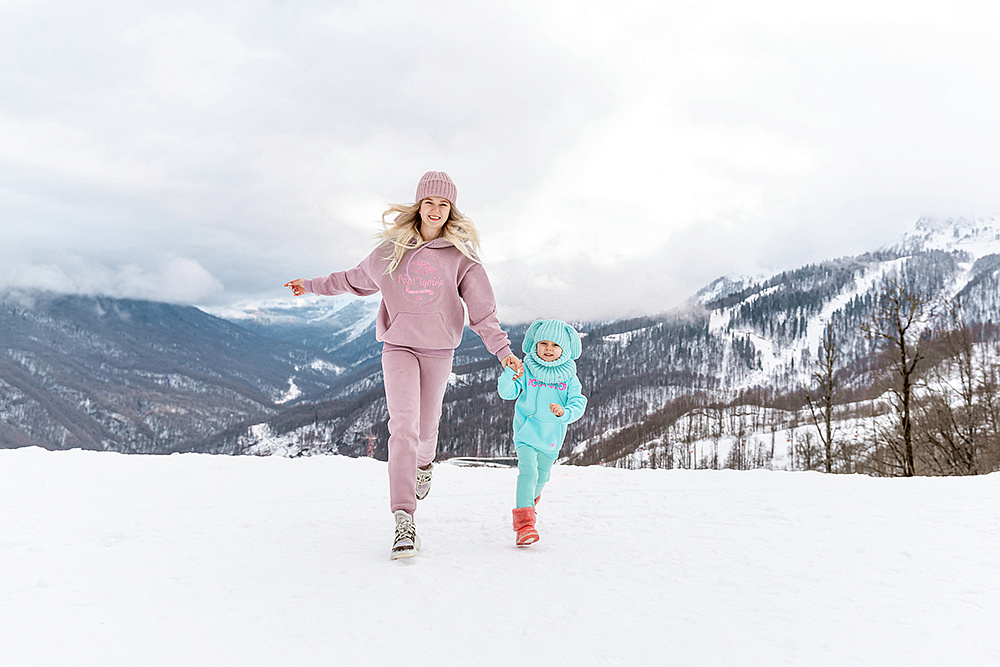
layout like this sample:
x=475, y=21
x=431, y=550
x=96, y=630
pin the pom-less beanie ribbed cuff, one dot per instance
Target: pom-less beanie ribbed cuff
x=436, y=184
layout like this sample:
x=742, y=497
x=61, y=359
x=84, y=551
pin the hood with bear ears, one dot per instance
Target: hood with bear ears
x=561, y=334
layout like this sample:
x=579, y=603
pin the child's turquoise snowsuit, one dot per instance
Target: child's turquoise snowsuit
x=539, y=434
x=534, y=423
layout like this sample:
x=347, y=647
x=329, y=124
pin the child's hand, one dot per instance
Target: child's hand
x=298, y=286
x=512, y=362
x=556, y=409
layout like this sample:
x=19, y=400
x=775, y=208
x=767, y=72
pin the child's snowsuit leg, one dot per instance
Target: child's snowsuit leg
x=534, y=470
x=414, y=390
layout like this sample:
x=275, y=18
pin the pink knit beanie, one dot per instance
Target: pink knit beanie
x=436, y=184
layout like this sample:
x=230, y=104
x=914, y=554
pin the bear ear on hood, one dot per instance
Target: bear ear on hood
x=575, y=346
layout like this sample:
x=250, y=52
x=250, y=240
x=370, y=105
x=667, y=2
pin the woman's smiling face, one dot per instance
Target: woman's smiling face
x=434, y=212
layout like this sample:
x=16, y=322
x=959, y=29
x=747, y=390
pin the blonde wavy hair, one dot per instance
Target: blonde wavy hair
x=404, y=232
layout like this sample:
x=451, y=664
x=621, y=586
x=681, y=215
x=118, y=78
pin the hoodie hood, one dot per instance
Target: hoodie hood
x=562, y=335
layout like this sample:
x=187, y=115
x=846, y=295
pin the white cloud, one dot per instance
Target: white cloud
x=174, y=280
x=177, y=280
x=649, y=145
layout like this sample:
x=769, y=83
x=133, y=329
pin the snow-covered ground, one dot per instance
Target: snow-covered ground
x=107, y=559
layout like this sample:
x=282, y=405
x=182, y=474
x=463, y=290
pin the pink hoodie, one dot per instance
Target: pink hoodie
x=422, y=299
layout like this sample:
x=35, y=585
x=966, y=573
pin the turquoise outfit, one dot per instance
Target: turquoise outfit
x=539, y=434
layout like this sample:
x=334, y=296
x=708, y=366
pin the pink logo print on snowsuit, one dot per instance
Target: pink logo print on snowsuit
x=561, y=386
x=421, y=280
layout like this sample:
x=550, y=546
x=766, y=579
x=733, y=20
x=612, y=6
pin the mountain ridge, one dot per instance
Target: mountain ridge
x=130, y=375
x=307, y=379
x=737, y=337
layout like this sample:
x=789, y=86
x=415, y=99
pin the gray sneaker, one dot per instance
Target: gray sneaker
x=424, y=481
x=406, y=542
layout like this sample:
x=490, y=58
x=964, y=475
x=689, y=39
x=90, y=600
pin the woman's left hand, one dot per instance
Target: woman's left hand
x=512, y=362
x=298, y=286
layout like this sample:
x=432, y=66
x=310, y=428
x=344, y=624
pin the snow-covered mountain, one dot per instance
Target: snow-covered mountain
x=739, y=340
x=310, y=382
x=343, y=326
x=136, y=376
x=977, y=236
x=723, y=286
x=780, y=320
x=766, y=337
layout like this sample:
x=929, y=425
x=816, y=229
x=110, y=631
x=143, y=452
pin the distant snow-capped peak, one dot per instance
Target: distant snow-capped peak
x=723, y=286
x=976, y=236
x=292, y=309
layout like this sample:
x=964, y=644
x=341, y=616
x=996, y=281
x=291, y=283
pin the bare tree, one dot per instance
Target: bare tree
x=792, y=426
x=896, y=326
x=689, y=438
x=807, y=451
x=821, y=404
x=989, y=392
x=951, y=417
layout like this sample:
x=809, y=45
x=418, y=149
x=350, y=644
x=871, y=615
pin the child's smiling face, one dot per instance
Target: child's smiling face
x=547, y=350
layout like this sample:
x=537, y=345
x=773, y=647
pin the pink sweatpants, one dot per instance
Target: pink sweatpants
x=414, y=391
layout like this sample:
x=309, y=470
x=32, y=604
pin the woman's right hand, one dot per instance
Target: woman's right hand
x=298, y=286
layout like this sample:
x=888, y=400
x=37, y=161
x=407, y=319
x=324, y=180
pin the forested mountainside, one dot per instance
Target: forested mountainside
x=136, y=376
x=739, y=343
x=303, y=377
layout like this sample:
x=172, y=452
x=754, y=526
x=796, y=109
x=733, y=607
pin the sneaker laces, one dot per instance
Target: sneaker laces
x=424, y=481
x=405, y=528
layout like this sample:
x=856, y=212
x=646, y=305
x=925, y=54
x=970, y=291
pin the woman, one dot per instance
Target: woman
x=425, y=267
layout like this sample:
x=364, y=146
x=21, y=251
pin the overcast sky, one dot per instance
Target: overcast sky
x=616, y=156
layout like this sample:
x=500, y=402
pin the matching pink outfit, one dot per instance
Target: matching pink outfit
x=420, y=323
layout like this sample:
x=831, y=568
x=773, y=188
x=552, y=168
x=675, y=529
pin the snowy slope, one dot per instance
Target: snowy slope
x=977, y=236
x=781, y=361
x=190, y=559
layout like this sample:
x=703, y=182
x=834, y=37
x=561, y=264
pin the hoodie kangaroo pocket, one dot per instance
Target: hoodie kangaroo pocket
x=423, y=330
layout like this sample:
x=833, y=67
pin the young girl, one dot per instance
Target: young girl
x=425, y=267
x=548, y=398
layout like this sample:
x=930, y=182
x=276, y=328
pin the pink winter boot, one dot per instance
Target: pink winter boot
x=524, y=524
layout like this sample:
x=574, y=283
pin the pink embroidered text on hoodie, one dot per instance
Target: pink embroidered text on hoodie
x=422, y=298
